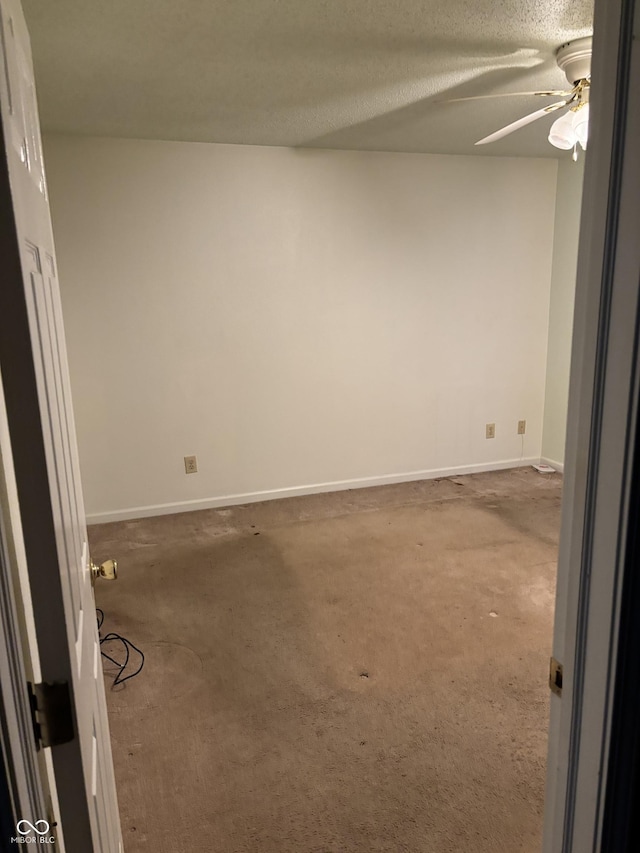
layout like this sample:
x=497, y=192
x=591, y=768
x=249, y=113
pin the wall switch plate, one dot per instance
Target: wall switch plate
x=491, y=430
x=190, y=465
x=522, y=427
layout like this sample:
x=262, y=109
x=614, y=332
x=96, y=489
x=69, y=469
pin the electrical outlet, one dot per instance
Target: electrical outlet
x=190, y=465
x=522, y=427
x=491, y=430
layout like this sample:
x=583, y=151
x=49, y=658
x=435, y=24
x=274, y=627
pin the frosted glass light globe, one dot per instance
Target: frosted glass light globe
x=562, y=133
x=581, y=125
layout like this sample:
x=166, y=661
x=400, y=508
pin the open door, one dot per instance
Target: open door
x=71, y=708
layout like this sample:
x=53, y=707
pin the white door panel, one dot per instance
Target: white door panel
x=40, y=418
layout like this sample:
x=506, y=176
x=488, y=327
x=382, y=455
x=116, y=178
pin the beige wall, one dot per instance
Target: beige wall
x=563, y=287
x=301, y=320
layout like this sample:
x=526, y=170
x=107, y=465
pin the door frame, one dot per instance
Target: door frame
x=601, y=430
x=25, y=784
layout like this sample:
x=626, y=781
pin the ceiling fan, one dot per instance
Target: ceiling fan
x=572, y=128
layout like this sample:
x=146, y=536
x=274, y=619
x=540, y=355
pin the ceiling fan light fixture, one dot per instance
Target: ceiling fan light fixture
x=562, y=133
x=572, y=128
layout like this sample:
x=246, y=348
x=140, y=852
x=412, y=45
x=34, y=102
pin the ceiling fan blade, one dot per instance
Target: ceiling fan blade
x=549, y=94
x=521, y=122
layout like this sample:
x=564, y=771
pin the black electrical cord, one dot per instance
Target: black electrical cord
x=128, y=645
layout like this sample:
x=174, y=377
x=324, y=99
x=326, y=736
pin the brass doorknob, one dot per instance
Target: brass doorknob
x=107, y=570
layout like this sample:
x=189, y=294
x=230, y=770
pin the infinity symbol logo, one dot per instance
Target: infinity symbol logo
x=25, y=826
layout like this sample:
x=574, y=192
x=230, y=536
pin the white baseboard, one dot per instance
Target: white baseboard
x=559, y=466
x=295, y=491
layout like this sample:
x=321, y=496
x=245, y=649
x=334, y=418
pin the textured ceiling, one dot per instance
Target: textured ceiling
x=363, y=74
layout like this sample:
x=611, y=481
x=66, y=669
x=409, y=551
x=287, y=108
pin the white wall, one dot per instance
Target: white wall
x=563, y=288
x=298, y=319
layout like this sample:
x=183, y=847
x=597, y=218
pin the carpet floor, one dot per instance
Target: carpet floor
x=353, y=672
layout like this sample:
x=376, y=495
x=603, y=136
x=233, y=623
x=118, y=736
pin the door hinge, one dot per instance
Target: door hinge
x=555, y=676
x=51, y=713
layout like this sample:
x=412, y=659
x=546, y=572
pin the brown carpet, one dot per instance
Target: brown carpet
x=346, y=673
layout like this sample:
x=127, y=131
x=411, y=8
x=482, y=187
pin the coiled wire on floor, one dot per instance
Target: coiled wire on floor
x=127, y=646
